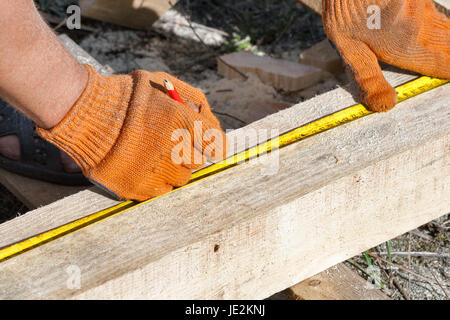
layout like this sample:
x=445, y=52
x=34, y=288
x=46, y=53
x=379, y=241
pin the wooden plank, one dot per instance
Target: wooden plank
x=315, y=5
x=136, y=14
x=322, y=55
x=336, y=283
x=245, y=233
x=281, y=74
x=34, y=193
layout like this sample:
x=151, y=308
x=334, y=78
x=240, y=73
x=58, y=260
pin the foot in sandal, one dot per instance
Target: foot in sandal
x=22, y=151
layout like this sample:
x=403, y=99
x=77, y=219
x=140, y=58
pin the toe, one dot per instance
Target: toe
x=68, y=164
x=9, y=147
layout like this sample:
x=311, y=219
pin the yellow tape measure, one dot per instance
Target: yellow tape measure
x=406, y=91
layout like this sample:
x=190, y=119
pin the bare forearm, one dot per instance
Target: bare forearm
x=37, y=74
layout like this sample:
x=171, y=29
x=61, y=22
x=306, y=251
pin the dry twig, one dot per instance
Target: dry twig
x=430, y=281
x=418, y=254
x=439, y=284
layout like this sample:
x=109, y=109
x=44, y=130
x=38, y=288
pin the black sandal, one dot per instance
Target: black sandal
x=39, y=159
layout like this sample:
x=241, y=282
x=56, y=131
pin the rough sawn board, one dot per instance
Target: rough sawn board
x=244, y=234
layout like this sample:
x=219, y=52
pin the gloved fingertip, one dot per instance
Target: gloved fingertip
x=383, y=99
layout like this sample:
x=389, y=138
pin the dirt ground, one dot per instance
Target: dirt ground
x=418, y=264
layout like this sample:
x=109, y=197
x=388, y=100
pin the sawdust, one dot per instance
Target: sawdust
x=113, y=48
x=247, y=100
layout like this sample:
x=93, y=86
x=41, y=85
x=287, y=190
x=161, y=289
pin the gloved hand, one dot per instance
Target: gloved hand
x=129, y=137
x=412, y=35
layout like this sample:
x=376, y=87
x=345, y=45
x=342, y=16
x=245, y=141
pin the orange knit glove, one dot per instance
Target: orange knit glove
x=410, y=34
x=129, y=137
